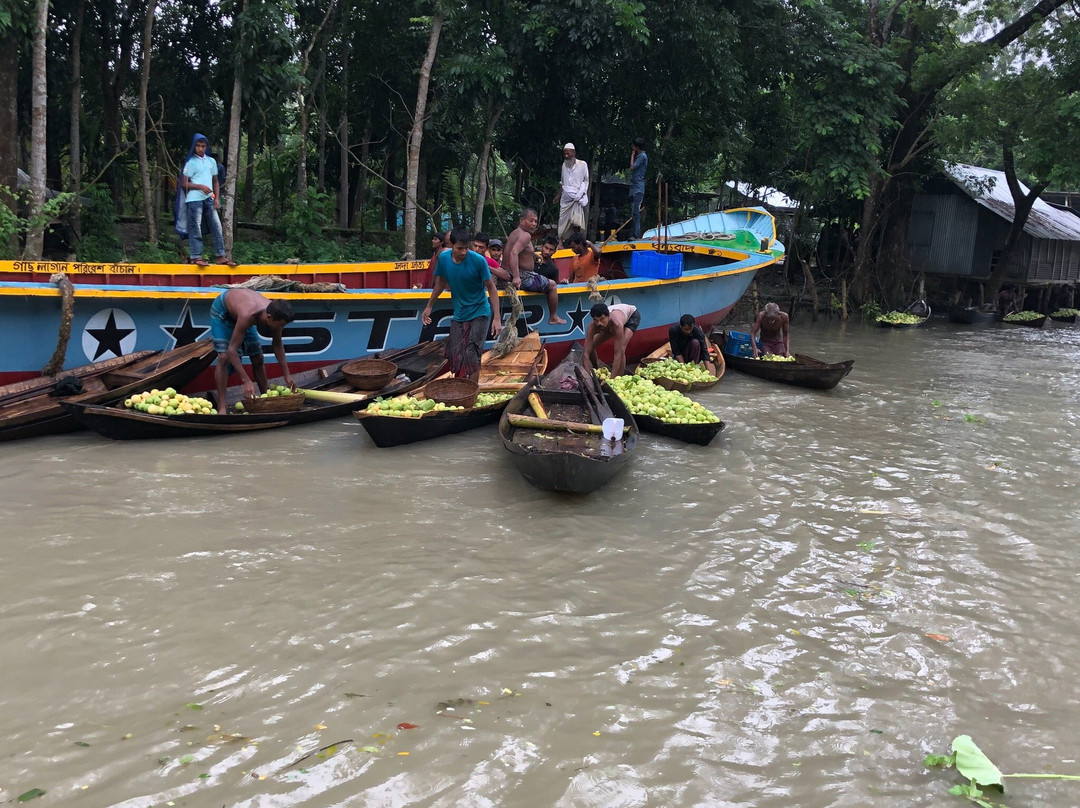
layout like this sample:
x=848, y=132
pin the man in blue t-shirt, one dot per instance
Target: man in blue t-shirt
x=199, y=179
x=476, y=303
x=639, y=161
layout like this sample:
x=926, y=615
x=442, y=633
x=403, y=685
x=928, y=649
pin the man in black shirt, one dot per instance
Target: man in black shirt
x=545, y=265
x=688, y=342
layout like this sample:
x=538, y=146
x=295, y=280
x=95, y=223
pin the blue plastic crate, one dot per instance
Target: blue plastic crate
x=650, y=264
x=738, y=344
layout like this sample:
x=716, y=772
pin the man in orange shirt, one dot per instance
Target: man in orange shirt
x=586, y=261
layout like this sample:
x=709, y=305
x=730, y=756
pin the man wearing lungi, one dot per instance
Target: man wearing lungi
x=467, y=276
x=774, y=328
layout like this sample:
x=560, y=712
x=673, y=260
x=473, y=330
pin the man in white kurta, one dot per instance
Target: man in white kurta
x=573, y=193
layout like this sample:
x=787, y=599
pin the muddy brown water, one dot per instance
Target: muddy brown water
x=744, y=624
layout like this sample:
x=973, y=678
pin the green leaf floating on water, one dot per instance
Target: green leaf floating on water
x=32, y=794
x=974, y=764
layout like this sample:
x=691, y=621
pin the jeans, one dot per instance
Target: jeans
x=635, y=207
x=195, y=213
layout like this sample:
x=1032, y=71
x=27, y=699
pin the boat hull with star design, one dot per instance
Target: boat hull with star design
x=344, y=311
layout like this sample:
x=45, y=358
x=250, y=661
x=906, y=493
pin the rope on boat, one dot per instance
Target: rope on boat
x=594, y=289
x=67, y=312
x=508, y=337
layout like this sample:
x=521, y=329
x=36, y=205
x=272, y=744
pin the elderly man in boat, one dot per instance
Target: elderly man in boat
x=773, y=327
x=235, y=316
x=466, y=274
x=618, y=322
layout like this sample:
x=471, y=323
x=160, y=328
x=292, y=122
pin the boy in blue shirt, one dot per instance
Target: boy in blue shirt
x=199, y=179
x=467, y=276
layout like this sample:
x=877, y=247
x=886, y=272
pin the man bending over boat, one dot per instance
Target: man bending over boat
x=688, y=343
x=618, y=322
x=773, y=326
x=467, y=276
x=521, y=264
x=235, y=316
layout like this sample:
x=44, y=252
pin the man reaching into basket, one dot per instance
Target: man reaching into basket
x=773, y=326
x=467, y=276
x=235, y=316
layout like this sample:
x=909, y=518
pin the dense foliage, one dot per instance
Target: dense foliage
x=845, y=105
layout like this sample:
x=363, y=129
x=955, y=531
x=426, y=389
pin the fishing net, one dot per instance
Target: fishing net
x=67, y=312
x=508, y=337
x=274, y=283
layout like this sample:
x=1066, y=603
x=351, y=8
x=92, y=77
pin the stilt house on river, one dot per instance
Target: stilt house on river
x=960, y=221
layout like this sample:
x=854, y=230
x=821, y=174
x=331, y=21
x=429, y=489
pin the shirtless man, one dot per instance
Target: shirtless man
x=520, y=262
x=773, y=326
x=618, y=322
x=235, y=316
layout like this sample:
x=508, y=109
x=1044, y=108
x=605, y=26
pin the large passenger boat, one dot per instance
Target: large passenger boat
x=700, y=266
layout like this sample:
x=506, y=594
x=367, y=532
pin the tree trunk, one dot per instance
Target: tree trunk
x=144, y=160
x=232, y=146
x=1022, y=205
x=360, y=200
x=39, y=92
x=302, y=103
x=76, y=117
x=320, y=147
x=249, y=171
x=485, y=158
x=9, y=126
x=416, y=135
x=343, y=145
x=343, y=170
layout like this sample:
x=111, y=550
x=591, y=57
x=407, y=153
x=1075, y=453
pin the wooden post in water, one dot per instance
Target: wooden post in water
x=843, y=300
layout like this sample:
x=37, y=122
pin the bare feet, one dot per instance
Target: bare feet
x=556, y=320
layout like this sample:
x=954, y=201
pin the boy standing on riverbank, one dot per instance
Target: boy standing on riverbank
x=199, y=179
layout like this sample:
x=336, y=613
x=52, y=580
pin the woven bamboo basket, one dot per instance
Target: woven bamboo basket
x=369, y=374
x=453, y=392
x=289, y=403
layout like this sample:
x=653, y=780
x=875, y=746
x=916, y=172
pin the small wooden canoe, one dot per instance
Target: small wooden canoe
x=805, y=371
x=497, y=374
x=971, y=315
x=1036, y=323
x=715, y=366
x=698, y=434
x=28, y=409
x=1067, y=319
x=566, y=461
x=416, y=366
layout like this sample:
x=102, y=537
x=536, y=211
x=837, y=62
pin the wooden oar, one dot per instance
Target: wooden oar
x=590, y=385
x=529, y=422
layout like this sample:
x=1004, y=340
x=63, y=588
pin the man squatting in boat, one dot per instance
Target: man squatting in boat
x=466, y=274
x=688, y=343
x=235, y=316
x=773, y=326
x=618, y=322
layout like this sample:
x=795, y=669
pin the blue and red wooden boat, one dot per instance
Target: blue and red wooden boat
x=701, y=267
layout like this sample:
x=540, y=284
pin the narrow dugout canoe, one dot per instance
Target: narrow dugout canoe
x=971, y=315
x=505, y=374
x=805, y=371
x=715, y=366
x=416, y=366
x=1037, y=323
x=561, y=461
x=28, y=409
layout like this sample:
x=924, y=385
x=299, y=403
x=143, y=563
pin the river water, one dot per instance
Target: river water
x=794, y=616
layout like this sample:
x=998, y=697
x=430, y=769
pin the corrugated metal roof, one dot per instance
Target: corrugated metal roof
x=991, y=190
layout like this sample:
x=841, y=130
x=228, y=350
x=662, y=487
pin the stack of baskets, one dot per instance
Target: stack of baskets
x=369, y=374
